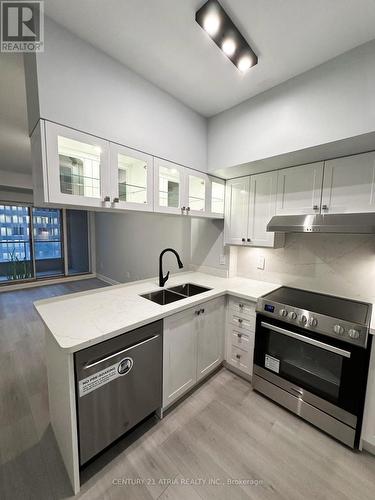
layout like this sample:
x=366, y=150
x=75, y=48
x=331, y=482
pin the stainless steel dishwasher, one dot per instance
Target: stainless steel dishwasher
x=118, y=384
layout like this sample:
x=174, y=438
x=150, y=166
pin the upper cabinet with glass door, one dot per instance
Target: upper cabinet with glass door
x=216, y=197
x=77, y=165
x=196, y=197
x=71, y=168
x=131, y=179
x=169, y=187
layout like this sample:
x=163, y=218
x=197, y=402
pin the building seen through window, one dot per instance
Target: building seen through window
x=32, y=242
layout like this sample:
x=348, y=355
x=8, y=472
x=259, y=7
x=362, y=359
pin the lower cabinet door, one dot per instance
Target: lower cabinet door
x=179, y=354
x=211, y=325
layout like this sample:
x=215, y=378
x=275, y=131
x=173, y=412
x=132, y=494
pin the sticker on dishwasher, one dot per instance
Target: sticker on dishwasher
x=106, y=375
x=272, y=363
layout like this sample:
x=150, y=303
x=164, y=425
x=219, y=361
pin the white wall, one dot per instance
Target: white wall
x=207, y=245
x=329, y=103
x=81, y=87
x=330, y=263
x=128, y=245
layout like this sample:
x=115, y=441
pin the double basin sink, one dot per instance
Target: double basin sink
x=175, y=293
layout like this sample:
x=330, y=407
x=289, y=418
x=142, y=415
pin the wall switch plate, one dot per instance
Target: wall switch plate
x=222, y=260
x=261, y=262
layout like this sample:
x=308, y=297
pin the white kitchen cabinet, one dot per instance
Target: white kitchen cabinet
x=169, y=187
x=299, y=189
x=131, y=179
x=349, y=184
x=368, y=427
x=70, y=167
x=216, y=197
x=195, y=199
x=251, y=203
x=240, y=335
x=237, y=211
x=184, y=191
x=179, y=354
x=210, y=336
x=261, y=209
x=193, y=346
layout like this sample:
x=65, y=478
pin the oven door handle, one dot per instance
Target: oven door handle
x=308, y=340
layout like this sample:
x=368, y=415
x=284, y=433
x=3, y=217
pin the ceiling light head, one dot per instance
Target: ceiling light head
x=229, y=46
x=216, y=22
x=244, y=63
x=211, y=23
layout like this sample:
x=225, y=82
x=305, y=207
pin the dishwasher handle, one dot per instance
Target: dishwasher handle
x=106, y=358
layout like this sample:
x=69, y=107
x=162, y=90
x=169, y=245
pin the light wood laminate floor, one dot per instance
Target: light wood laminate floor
x=222, y=442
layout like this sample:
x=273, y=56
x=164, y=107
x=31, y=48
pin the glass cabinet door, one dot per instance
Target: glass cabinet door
x=197, y=194
x=78, y=167
x=217, y=197
x=169, y=187
x=132, y=178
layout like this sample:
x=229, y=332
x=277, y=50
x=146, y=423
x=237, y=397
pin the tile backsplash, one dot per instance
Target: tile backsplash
x=331, y=263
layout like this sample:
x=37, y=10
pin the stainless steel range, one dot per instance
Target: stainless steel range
x=311, y=356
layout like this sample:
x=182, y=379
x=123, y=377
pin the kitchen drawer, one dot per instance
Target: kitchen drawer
x=243, y=360
x=242, y=322
x=240, y=339
x=242, y=307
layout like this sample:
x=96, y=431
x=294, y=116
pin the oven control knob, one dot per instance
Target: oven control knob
x=292, y=315
x=283, y=312
x=353, y=334
x=313, y=322
x=303, y=319
x=338, y=329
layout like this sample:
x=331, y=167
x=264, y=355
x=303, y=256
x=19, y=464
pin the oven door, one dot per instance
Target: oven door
x=333, y=370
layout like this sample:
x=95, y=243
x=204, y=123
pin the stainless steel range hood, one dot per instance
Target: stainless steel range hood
x=327, y=223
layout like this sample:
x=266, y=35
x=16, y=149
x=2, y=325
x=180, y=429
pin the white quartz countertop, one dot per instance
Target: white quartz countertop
x=82, y=319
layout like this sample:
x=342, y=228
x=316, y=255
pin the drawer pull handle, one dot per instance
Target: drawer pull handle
x=238, y=356
x=239, y=335
x=241, y=306
x=240, y=320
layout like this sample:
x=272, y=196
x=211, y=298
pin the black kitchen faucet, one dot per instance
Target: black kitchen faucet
x=164, y=279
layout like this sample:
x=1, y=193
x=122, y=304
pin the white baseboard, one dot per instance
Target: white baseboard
x=54, y=281
x=108, y=280
x=368, y=447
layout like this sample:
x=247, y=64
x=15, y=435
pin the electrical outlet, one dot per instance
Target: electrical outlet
x=261, y=262
x=222, y=260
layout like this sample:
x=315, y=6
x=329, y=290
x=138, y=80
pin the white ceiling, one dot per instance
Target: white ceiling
x=15, y=155
x=160, y=40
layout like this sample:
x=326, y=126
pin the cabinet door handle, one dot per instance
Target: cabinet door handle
x=116, y=200
x=241, y=306
x=197, y=313
x=188, y=209
x=238, y=356
x=202, y=311
x=324, y=207
x=239, y=335
x=315, y=207
x=243, y=240
x=106, y=198
x=183, y=209
x=248, y=240
x=240, y=320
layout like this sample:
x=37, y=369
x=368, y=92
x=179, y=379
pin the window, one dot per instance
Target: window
x=48, y=244
x=23, y=257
